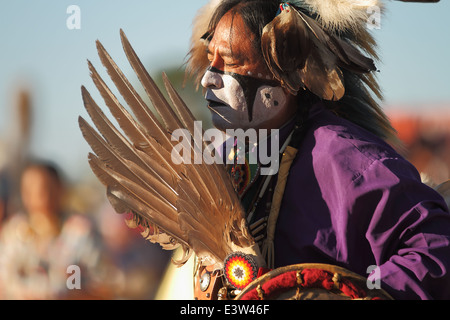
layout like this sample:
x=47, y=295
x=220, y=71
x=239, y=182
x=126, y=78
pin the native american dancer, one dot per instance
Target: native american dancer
x=336, y=203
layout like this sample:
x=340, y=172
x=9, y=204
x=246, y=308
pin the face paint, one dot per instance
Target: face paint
x=249, y=86
x=238, y=101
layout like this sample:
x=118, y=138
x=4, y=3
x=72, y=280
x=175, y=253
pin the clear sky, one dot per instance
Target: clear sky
x=39, y=51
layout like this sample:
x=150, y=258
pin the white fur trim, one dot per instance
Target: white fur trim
x=339, y=15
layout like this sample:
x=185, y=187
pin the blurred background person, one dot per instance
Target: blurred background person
x=48, y=223
x=39, y=242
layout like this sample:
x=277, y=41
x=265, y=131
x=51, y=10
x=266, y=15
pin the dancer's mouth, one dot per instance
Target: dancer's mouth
x=216, y=104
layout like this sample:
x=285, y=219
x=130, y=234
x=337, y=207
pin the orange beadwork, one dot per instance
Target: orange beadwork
x=240, y=270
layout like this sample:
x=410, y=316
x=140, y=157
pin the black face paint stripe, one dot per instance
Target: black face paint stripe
x=249, y=86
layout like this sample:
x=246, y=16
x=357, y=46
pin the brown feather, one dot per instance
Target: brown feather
x=126, y=122
x=159, y=102
x=286, y=46
x=126, y=167
x=186, y=116
x=142, y=201
x=134, y=101
x=121, y=206
x=135, y=132
x=323, y=80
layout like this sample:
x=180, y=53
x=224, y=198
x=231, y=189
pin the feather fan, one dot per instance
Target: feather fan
x=189, y=205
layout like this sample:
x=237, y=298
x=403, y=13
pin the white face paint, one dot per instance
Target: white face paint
x=228, y=102
x=269, y=101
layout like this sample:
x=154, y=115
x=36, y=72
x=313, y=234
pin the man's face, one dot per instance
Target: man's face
x=241, y=92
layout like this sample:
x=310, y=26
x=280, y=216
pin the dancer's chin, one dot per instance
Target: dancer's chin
x=224, y=117
x=220, y=123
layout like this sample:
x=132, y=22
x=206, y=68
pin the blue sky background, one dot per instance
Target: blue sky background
x=39, y=52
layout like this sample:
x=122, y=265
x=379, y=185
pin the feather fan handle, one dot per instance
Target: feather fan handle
x=174, y=204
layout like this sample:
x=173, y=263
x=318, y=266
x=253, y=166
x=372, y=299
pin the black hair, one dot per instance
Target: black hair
x=255, y=14
x=48, y=166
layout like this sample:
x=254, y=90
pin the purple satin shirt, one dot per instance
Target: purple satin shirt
x=353, y=201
